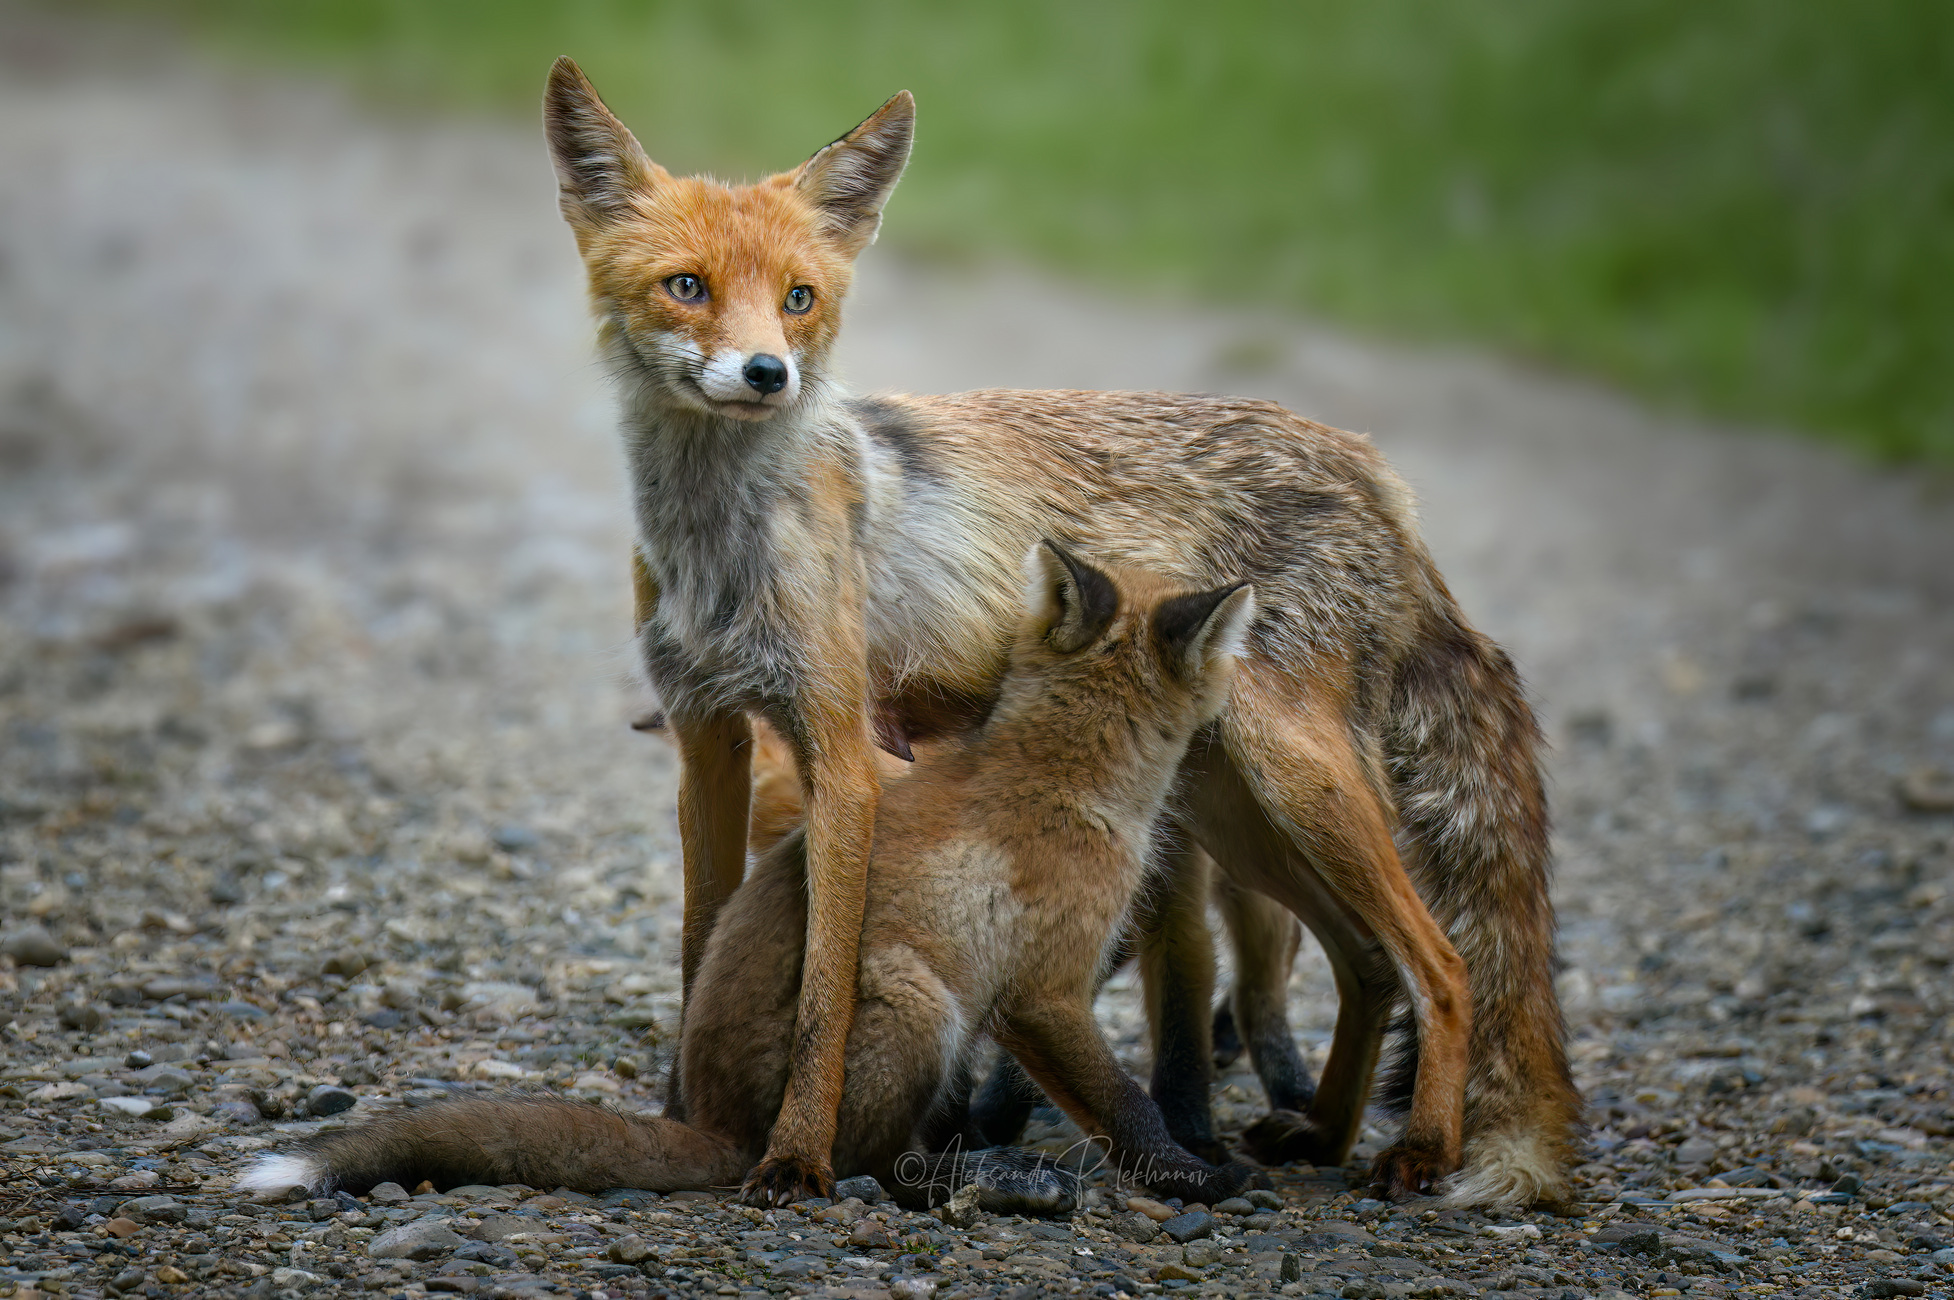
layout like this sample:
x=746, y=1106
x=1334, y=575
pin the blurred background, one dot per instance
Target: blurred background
x=1742, y=207
x=314, y=617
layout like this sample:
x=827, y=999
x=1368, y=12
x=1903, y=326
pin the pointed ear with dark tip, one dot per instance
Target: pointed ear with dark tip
x=1075, y=601
x=850, y=180
x=599, y=166
x=1197, y=630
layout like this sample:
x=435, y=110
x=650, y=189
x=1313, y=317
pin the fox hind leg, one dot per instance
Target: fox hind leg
x=1264, y=938
x=1297, y=814
x=1177, y=973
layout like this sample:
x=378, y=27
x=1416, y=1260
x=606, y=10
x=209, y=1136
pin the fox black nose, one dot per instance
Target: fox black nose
x=767, y=374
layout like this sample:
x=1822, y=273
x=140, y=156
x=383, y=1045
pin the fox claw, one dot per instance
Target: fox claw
x=782, y=1180
x=1406, y=1171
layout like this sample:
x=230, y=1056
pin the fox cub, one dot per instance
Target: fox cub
x=1006, y=863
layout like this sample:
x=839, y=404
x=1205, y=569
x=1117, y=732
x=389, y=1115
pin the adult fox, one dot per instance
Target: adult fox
x=1005, y=864
x=845, y=567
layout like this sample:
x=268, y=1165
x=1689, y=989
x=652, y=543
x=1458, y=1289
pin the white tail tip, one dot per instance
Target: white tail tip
x=280, y=1173
x=1507, y=1171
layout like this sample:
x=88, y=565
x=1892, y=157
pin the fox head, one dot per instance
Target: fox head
x=721, y=300
x=1122, y=655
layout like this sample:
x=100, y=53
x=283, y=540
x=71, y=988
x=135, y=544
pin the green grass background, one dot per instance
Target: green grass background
x=1741, y=206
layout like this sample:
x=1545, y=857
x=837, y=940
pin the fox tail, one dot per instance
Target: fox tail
x=536, y=1141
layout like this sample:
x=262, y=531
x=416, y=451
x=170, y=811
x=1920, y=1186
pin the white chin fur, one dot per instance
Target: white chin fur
x=277, y=1173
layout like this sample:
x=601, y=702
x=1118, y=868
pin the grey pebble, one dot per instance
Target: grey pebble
x=1184, y=1228
x=862, y=1187
x=427, y=1239
x=81, y=1015
x=326, y=1099
x=32, y=945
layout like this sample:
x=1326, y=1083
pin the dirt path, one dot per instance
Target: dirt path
x=312, y=637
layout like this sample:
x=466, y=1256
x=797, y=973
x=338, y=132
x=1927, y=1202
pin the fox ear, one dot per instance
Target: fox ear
x=850, y=180
x=1072, y=600
x=1199, y=629
x=600, y=167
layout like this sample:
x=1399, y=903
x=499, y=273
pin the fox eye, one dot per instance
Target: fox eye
x=686, y=288
x=799, y=299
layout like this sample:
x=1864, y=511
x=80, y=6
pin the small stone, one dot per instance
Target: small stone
x=1153, y=1209
x=1184, y=1228
x=962, y=1210
x=153, y=1209
x=492, y=1228
x=226, y=890
x=917, y=1288
x=1926, y=790
x=81, y=1015
x=862, y=1187
x=32, y=945
x=1176, y=1273
x=844, y=1212
x=1848, y=1185
x=427, y=1239
x=171, y=1275
x=625, y=1067
x=1263, y=1199
x=166, y=1080
x=869, y=1235
x=1135, y=1226
x=136, y=1060
x=1645, y=1242
x=1292, y=1268
x=127, y=1280
x=348, y=963
x=629, y=1250
x=1200, y=1254
x=1695, y=1151
x=121, y=1227
x=1881, y=1287
x=191, y=989
x=237, y=1111
x=328, y=1100
x=513, y=838
x=1235, y=1205
x=1510, y=1231
x=388, y=1194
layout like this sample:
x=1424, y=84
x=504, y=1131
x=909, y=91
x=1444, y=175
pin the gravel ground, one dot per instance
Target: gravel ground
x=316, y=797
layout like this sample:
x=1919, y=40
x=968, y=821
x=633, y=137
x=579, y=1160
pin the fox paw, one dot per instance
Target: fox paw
x=1284, y=1137
x=782, y=1180
x=1234, y=1177
x=1410, y=1170
x=1011, y=1180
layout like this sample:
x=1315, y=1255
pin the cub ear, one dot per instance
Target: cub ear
x=600, y=167
x=1200, y=629
x=850, y=180
x=1071, y=600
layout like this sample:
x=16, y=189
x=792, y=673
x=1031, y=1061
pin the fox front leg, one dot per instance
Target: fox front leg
x=836, y=759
